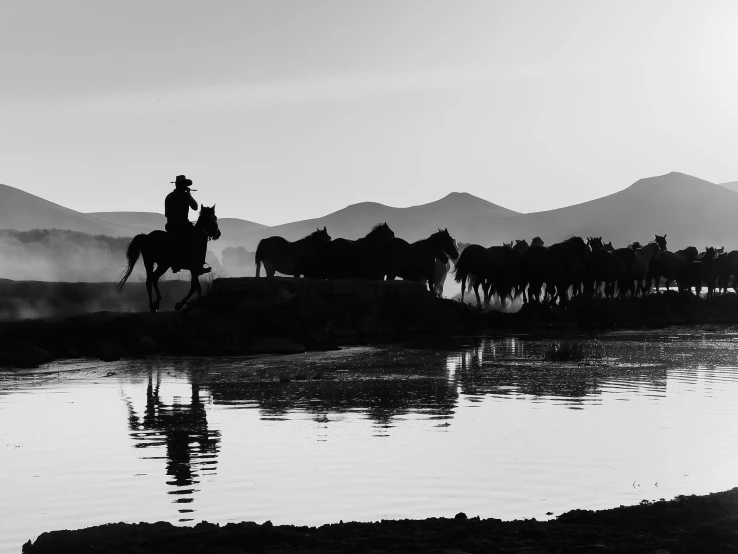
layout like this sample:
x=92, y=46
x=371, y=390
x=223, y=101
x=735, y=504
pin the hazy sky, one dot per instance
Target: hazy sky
x=284, y=110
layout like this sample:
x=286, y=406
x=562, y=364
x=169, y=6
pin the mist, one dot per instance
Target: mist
x=56, y=255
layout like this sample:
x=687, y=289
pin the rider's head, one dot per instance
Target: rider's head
x=182, y=182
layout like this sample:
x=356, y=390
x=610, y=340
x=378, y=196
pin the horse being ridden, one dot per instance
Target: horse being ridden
x=156, y=248
x=417, y=261
x=290, y=258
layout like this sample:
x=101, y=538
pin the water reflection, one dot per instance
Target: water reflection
x=381, y=398
x=300, y=432
x=509, y=367
x=182, y=428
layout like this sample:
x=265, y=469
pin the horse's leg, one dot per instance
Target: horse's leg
x=487, y=290
x=194, y=284
x=160, y=270
x=149, y=285
x=476, y=292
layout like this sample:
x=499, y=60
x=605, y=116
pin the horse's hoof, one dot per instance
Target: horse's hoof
x=178, y=306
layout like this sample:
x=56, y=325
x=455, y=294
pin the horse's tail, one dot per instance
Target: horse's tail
x=134, y=250
x=461, y=272
x=257, y=259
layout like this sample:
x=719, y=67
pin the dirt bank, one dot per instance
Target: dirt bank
x=282, y=316
x=686, y=524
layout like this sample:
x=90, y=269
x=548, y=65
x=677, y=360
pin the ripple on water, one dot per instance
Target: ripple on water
x=481, y=425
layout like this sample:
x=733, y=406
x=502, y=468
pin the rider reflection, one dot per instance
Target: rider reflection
x=191, y=447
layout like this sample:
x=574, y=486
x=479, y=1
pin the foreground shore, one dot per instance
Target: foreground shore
x=686, y=524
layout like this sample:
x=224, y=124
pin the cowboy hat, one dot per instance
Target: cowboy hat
x=182, y=181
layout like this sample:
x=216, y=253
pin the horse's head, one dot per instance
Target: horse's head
x=537, y=241
x=508, y=244
x=208, y=222
x=634, y=245
x=381, y=232
x=319, y=236
x=609, y=247
x=661, y=241
x=595, y=243
x=690, y=252
x=709, y=253
x=579, y=247
x=445, y=243
x=520, y=246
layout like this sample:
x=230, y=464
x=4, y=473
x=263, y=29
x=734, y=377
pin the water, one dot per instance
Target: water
x=480, y=425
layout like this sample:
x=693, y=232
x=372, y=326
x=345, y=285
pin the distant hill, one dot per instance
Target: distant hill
x=689, y=210
x=21, y=211
x=145, y=222
x=465, y=215
x=732, y=185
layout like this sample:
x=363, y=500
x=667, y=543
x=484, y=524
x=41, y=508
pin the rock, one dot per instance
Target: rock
x=23, y=354
x=145, y=346
x=109, y=352
x=200, y=347
x=275, y=345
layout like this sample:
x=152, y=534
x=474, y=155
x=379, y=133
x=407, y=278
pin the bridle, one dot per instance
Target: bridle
x=208, y=236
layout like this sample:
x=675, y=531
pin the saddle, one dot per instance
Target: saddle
x=183, y=249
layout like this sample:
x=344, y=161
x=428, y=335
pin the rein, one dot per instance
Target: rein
x=207, y=235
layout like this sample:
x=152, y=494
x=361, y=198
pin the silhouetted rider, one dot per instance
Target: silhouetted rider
x=177, y=209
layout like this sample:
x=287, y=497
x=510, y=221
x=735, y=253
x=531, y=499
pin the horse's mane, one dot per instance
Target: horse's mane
x=437, y=233
x=572, y=239
x=379, y=228
x=314, y=234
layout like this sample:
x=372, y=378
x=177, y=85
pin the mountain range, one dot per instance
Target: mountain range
x=688, y=209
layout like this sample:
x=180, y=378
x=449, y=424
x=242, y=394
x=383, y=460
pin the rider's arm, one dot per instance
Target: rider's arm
x=193, y=202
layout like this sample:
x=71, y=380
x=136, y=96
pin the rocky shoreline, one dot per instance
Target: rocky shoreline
x=701, y=524
x=281, y=316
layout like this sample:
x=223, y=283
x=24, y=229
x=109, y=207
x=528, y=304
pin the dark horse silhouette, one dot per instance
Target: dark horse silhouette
x=290, y=258
x=560, y=266
x=417, y=261
x=351, y=259
x=158, y=248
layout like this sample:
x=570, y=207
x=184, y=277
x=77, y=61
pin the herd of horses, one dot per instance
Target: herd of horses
x=377, y=256
x=592, y=268
x=534, y=272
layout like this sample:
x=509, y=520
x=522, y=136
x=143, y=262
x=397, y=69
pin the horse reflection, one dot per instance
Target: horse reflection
x=506, y=368
x=191, y=447
x=383, y=394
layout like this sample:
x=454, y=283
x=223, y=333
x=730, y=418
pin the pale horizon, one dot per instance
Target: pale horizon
x=287, y=111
